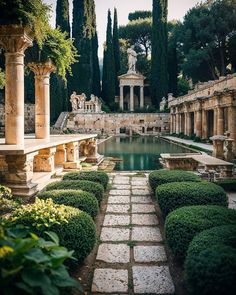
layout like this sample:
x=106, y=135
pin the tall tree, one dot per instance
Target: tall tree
x=108, y=79
x=116, y=47
x=63, y=16
x=159, y=72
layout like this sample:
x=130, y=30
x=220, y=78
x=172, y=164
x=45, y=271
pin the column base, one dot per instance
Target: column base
x=23, y=190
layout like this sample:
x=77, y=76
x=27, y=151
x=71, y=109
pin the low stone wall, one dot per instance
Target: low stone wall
x=119, y=123
x=29, y=117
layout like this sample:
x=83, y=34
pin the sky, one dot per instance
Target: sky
x=177, y=9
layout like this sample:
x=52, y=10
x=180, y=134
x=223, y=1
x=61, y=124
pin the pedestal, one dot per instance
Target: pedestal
x=44, y=161
x=72, y=151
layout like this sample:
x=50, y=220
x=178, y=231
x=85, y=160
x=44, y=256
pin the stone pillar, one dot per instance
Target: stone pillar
x=188, y=124
x=198, y=121
x=215, y=121
x=177, y=123
x=220, y=121
x=141, y=97
x=185, y=124
x=14, y=40
x=171, y=123
x=121, y=97
x=60, y=155
x=232, y=124
x=204, y=124
x=131, y=98
x=218, y=146
x=44, y=161
x=72, y=161
x=42, y=98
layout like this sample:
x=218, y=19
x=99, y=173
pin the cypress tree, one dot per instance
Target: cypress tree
x=108, y=79
x=116, y=46
x=63, y=16
x=159, y=71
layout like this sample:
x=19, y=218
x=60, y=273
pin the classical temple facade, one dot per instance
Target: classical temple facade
x=206, y=111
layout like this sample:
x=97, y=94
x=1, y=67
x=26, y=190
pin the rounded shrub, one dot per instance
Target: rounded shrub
x=75, y=229
x=210, y=265
x=159, y=177
x=82, y=200
x=184, y=223
x=96, y=176
x=174, y=195
x=85, y=185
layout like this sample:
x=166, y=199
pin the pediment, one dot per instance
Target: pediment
x=131, y=76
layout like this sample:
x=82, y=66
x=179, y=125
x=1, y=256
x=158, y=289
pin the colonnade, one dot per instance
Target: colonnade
x=131, y=104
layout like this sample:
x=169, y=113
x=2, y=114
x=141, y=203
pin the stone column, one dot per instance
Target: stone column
x=131, y=98
x=215, y=121
x=72, y=161
x=42, y=98
x=232, y=124
x=60, y=155
x=204, y=124
x=121, y=97
x=185, y=124
x=220, y=121
x=177, y=123
x=14, y=40
x=188, y=124
x=141, y=97
x=171, y=123
x=198, y=121
x=44, y=161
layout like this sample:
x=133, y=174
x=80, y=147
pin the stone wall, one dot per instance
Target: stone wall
x=29, y=117
x=119, y=123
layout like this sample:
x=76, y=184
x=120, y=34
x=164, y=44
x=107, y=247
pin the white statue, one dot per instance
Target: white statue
x=132, y=59
x=81, y=101
x=74, y=102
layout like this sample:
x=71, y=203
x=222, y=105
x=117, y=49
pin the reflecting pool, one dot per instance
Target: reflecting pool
x=138, y=153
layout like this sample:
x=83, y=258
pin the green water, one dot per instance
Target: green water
x=138, y=153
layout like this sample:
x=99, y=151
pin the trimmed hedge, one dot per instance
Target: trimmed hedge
x=96, y=176
x=79, y=199
x=75, y=229
x=228, y=185
x=85, y=185
x=210, y=265
x=174, y=195
x=165, y=176
x=184, y=223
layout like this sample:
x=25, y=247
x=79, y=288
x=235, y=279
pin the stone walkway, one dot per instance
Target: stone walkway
x=131, y=258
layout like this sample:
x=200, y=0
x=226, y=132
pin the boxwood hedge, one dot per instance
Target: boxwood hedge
x=96, y=176
x=165, y=176
x=173, y=195
x=184, y=223
x=82, y=200
x=228, y=185
x=85, y=185
x=210, y=266
x=75, y=229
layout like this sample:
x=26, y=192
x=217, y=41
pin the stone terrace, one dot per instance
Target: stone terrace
x=131, y=257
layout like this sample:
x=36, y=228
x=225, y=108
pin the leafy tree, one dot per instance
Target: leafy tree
x=108, y=79
x=159, y=73
x=116, y=46
x=139, y=14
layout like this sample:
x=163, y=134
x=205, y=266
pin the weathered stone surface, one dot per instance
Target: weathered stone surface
x=121, y=186
x=144, y=219
x=119, y=193
x=140, y=192
x=121, y=180
x=146, y=234
x=143, y=208
x=140, y=187
x=149, y=253
x=113, y=253
x=114, y=234
x=152, y=279
x=109, y=280
x=140, y=183
x=141, y=199
x=114, y=220
x=119, y=200
x=118, y=208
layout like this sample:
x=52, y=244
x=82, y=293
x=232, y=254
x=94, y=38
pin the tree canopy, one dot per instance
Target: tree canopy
x=140, y=14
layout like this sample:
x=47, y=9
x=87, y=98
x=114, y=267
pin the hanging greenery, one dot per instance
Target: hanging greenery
x=2, y=79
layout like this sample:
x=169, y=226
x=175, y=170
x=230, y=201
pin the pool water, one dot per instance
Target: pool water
x=138, y=153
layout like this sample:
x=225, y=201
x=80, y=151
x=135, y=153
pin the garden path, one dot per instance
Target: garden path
x=131, y=257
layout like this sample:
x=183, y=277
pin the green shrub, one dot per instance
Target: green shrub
x=75, y=228
x=228, y=185
x=210, y=265
x=32, y=265
x=96, y=176
x=184, y=223
x=8, y=202
x=165, y=176
x=82, y=200
x=85, y=185
x=173, y=195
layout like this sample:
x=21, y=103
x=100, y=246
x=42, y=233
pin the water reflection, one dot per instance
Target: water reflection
x=140, y=153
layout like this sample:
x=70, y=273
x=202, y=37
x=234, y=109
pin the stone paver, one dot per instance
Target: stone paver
x=131, y=218
x=115, y=220
x=149, y=253
x=113, y=253
x=110, y=234
x=146, y=233
x=143, y=208
x=232, y=200
x=144, y=219
x=110, y=280
x=152, y=279
x=118, y=208
x=119, y=200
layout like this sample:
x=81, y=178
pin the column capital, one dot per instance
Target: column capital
x=15, y=39
x=42, y=69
